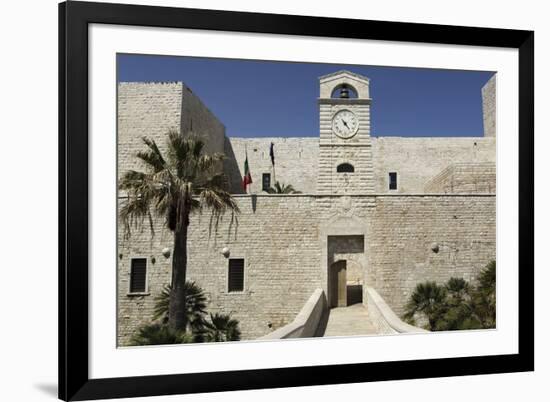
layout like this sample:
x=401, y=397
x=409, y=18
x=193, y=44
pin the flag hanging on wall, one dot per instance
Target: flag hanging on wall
x=247, y=178
x=272, y=154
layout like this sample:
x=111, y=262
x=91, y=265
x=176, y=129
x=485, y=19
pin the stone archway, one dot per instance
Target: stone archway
x=343, y=238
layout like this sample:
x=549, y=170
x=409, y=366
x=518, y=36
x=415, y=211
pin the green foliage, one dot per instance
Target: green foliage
x=195, y=301
x=221, y=328
x=484, y=297
x=159, y=334
x=427, y=298
x=175, y=183
x=281, y=188
x=457, y=305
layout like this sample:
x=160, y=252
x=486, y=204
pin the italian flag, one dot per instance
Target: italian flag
x=247, y=178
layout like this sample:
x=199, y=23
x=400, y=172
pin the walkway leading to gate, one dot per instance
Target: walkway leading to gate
x=347, y=321
x=315, y=320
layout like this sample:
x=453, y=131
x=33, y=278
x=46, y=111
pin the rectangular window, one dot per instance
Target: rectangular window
x=393, y=181
x=266, y=181
x=235, y=275
x=138, y=275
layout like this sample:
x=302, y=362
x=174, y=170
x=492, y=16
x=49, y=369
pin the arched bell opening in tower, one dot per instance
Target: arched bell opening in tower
x=344, y=91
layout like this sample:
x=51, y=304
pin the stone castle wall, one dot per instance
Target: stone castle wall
x=488, y=97
x=404, y=229
x=295, y=162
x=152, y=109
x=145, y=109
x=415, y=160
x=279, y=238
x=464, y=178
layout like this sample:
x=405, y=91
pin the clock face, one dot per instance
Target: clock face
x=345, y=124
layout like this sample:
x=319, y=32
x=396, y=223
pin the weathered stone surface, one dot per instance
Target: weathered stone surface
x=488, y=93
x=464, y=178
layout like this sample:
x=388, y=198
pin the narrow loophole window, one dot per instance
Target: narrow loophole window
x=393, y=181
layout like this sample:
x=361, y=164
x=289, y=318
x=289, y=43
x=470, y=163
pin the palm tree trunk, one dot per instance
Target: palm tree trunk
x=177, y=308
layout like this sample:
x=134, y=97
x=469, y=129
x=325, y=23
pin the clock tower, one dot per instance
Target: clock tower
x=345, y=151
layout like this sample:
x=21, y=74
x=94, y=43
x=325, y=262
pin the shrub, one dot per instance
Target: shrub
x=159, y=334
x=456, y=305
x=219, y=327
x=195, y=305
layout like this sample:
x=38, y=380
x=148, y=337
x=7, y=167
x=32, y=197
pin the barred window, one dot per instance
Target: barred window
x=235, y=275
x=138, y=275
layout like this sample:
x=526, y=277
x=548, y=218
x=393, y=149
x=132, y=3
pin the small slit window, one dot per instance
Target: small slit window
x=393, y=181
x=345, y=168
x=235, y=275
x=266, y=181
x=138, y=275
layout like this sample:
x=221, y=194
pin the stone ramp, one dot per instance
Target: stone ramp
x=347, y=321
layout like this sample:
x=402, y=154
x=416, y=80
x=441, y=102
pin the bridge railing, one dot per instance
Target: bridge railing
x=306, y=322
x=383, y=317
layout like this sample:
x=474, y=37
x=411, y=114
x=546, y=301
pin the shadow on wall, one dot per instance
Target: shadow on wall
x=231, y=169
x=254, y=200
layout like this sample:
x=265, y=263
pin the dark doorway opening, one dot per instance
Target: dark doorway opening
x=355, y=294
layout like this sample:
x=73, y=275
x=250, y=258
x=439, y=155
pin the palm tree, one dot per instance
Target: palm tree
x=428, y=298
x=281, y=188
x=175, y=184
x=484, y=296
x=458, y=289
x=195, y=301
x=221, y=328
x=456, y=312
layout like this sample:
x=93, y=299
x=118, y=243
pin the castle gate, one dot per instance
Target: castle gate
x=345, y=270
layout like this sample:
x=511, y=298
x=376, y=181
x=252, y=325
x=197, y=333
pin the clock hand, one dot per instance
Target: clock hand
x=345, y=124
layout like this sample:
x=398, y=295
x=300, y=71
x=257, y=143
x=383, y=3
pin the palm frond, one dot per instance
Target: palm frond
x=221, y=328
x=133, y=212
x=158, y=334
x=132, y=180
x=281, y=188
x=207, y=163
x=195, y=301
x=153, y=156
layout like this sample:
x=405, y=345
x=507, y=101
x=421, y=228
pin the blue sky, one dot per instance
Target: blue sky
x=279, y=99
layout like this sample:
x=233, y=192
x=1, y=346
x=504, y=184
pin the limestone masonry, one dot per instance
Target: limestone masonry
x=378, y=212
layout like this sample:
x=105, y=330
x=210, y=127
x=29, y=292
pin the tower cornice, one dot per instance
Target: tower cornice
x=340, y=101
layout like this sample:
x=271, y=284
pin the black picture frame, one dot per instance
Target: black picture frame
x=74, y=381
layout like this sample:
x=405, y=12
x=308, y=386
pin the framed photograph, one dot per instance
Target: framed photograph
x=258, y=201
